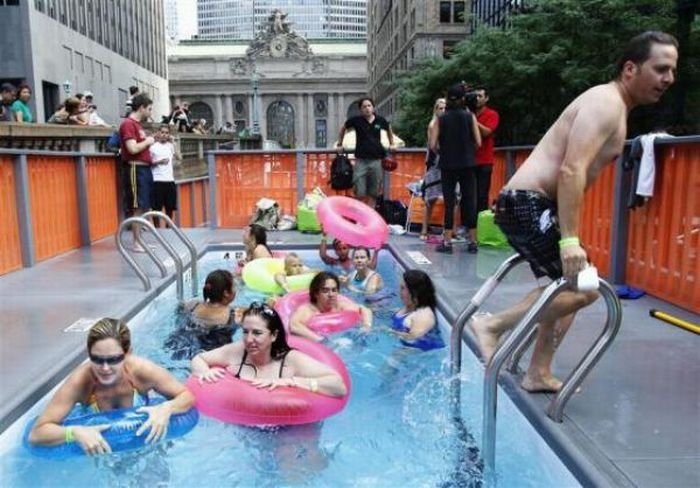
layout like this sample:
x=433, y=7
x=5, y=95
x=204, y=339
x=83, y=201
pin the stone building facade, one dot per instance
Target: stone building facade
x=305, y=89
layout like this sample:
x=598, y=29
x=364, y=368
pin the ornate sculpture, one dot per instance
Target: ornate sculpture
x=278, y=40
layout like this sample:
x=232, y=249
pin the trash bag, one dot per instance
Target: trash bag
x=488, y=233
x=267, y=214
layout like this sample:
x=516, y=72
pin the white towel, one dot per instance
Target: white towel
x=647, y=165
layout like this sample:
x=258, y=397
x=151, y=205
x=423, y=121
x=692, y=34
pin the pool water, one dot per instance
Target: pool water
x=398, y=428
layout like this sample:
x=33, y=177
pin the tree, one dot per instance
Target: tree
x=550, y=53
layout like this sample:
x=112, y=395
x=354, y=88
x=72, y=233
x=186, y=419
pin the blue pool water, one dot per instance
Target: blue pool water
x=397, y=430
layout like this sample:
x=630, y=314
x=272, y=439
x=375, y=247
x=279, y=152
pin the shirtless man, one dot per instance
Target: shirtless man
x=539, y=207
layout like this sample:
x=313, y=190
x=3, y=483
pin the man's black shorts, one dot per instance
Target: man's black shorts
x=529, y=221
x=164, y=195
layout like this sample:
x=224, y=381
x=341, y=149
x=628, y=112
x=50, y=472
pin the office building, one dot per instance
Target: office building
x=180, y=19
x=312, y=19
x=62, y=47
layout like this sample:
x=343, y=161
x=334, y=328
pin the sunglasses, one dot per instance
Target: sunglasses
x=262, y=308
x=108, y=360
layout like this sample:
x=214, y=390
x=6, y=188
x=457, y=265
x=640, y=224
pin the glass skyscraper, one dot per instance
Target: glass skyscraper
x=313, y=19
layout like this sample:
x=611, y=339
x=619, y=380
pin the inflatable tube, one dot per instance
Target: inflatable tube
x=352, y=222
x=259, y=274
x=121, y=436
x=236, y=401
x=322, y=323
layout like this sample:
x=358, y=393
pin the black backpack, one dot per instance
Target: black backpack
x=341, y=173
x=392, y=211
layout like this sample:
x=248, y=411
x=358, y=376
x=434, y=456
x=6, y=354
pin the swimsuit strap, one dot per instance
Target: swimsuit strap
x=284, y=358
x=238, y=374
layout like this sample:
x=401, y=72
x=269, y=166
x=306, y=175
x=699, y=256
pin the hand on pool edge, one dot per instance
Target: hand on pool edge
x=158, y=418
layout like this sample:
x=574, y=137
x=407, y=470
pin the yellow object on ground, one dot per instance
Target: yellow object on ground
x=683, y=324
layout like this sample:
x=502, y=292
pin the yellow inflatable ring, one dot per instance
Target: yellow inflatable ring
x=259, y=274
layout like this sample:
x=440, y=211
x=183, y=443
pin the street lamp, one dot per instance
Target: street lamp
x=256, y=122
x=67, y=85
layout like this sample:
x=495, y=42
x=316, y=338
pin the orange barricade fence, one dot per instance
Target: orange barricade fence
x=663, y=241
x=11, y=253
x=102, y=196
x=198, y=198
x=184, y=205
x=53, y=191
x=595, y=224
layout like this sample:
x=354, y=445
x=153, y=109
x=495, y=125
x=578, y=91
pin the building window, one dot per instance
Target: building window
x=452, y=12
x=321, y=133
x=448, y=48
x=445, y=12
x=280, y=123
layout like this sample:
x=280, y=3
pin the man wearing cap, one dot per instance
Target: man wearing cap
x=455, y=139
x=7, y=90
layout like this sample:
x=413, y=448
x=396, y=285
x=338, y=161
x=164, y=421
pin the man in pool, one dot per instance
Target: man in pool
x=539, y=207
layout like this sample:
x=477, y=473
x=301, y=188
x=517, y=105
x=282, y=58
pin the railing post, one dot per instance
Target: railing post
x=510, y=164
x=83, y=209
x=24, y=210
x=301, y=158
x=213, y=217
x=620, y=223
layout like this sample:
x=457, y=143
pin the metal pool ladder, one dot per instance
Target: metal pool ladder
x=518, y=341
x=179, y=268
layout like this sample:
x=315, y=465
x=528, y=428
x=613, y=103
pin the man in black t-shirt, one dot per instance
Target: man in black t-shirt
x=369, y=152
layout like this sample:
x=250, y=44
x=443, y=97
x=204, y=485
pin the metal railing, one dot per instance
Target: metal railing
x=518, y=341
x=185, y=240
x=143, y=223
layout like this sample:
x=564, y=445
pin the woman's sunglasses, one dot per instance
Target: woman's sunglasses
x=108, y=360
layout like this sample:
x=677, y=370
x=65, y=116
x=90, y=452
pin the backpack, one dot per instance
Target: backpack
x=341, y=173
x=114, y=142
x=392, y=211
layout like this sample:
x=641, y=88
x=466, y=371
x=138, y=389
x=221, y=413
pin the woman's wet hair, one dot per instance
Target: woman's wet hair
x=274, y=324
x=217, y=283
x=362, y=248
x=318, y=282
x=421, y=288
x=108, y=328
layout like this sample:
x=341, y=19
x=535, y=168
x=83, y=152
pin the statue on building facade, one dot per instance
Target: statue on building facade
x=278, y=40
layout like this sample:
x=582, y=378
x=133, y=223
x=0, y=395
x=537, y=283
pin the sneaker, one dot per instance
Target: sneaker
x=459, y=238
x=444, y=248
x=472, y=248
x=137, y=248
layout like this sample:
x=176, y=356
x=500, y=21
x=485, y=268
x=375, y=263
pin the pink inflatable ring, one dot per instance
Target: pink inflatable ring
x=352, y=222
x=236, y=401
x=321, y=323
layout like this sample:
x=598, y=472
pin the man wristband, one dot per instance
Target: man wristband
x=313, y=385
x=568, y=242
x=69, y=435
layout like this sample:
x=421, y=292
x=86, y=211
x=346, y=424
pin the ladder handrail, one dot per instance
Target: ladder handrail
x=140, y=221
x=476, y=301
x=519, y=333
x=185, y=240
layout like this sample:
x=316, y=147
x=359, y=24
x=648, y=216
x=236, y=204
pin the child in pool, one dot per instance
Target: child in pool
x=293, y=266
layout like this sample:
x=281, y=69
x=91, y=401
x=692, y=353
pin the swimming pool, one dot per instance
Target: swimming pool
x=397, y=430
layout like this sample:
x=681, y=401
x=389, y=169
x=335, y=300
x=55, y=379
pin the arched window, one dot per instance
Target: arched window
x=200, y=110
x=280, y=123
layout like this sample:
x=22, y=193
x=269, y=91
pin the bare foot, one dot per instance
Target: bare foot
x=532, y=384
x=486, y=339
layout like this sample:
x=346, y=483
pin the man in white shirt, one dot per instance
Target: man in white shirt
x=164, y=191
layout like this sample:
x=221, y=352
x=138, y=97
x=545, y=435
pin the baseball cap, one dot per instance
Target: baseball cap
x=88, y=94
x=7, y=87
x=456, y=92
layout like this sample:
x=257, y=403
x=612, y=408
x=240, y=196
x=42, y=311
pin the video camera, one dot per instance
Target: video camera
x=470, y=97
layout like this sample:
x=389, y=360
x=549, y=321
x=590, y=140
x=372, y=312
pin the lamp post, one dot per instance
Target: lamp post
x=67, y=85
x=256, y=121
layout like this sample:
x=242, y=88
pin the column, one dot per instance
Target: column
x=299, y=121
x=218, y=112
x=310, y=121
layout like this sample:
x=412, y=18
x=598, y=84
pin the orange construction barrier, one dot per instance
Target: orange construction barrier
x=595, y=226
x=102, y=196
x=11, y=254
x=184, y=205
x=664, y=235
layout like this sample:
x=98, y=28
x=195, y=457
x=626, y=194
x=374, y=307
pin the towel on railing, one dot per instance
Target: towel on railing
x=642, y=162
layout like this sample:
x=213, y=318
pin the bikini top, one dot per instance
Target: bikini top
x=139, y=400
x=430, y=340
x=245, y=355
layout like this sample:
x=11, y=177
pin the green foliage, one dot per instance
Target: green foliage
x=549, y=54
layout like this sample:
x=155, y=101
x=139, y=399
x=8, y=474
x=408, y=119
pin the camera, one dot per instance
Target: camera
x=470, y=99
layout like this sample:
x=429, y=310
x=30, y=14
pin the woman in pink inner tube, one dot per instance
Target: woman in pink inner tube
x=324, y=291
